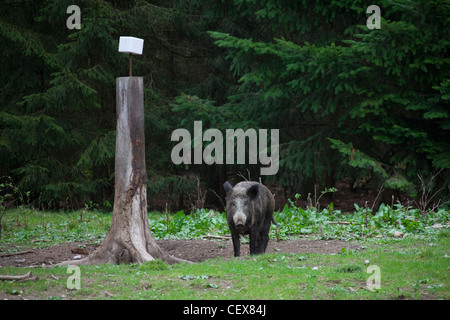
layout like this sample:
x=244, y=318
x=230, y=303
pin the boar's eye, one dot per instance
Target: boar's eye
x=233, y=203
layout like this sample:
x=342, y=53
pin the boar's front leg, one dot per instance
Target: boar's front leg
x=236, y=244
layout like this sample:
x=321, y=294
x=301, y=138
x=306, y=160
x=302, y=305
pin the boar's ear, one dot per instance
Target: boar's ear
x=228, y=188
x=253, y=191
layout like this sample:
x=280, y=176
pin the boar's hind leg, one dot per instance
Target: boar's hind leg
x=264, y=237
x=236, y=244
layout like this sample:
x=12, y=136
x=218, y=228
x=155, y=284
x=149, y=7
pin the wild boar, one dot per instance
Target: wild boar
x=249, y=208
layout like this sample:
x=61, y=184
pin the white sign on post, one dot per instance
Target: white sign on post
x=131, y=45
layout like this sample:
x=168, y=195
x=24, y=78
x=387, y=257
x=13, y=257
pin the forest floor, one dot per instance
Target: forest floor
x=414, y=268
x=320, y=255
x=192, y=250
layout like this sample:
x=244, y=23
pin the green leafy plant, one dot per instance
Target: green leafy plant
x=195, y=225
x=294, y=221
x=11, y=196
x=350, y=268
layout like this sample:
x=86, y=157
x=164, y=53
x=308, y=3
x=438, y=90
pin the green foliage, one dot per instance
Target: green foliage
x=350, y=268
x=57, y=98
x=362, y=223
x=11, y=196
x=196, y=225
x=294, y=221
x=372, y=105
x=44, y=228
x=55, y=135
x=357, y=158
x=384, y=90
x=414, y=267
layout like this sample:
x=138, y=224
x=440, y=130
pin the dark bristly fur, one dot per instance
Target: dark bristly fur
x=249, y=208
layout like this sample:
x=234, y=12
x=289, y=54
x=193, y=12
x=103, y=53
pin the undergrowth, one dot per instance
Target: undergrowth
x=294, y=221
x=42, y=228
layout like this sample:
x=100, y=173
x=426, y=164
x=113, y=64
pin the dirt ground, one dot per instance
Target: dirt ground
x=193, y=250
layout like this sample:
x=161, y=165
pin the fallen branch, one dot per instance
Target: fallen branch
x=439, y=226
x=217, y=237
x=26, y=276
x=2, y=255
x=40, y=240
x=339, y=222
x=80, y=251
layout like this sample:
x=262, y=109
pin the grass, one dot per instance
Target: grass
x=410, y=269
x=22, y=226
x=414, y=267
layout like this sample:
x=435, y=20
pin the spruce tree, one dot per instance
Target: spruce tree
x=57, y=99
x=348, y=100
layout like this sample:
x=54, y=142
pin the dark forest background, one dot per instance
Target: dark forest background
x=367, y=110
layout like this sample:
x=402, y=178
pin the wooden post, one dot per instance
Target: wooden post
x=130, y=225
x=130, y=170
x=129, y=239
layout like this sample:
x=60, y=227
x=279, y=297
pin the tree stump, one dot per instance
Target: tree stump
x=129, y=239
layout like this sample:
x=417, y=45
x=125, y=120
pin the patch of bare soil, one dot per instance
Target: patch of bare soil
x=192, y=250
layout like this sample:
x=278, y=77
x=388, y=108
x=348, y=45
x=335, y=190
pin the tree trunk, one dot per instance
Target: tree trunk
x=129, y=239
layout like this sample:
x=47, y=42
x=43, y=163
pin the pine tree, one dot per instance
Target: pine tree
x=379, y=97
x=349, y=102
x=57, y=100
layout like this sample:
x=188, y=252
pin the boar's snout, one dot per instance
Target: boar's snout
x=239, y=220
